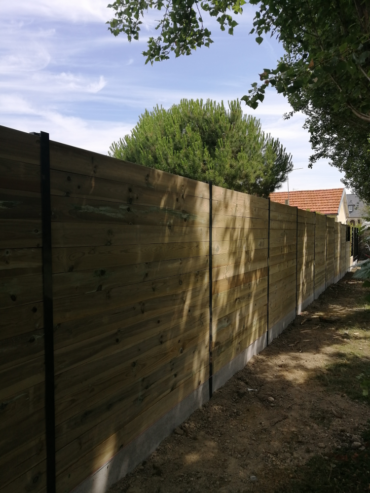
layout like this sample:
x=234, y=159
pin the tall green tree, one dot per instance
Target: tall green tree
x=325, y=72
x=205, y=141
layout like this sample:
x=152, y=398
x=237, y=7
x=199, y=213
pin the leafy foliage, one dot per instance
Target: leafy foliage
x=325, y=72
x=326, y=75
x=181, y=26
x=205, y=141
x=328, y=49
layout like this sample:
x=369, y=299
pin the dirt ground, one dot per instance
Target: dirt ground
x=304, y=396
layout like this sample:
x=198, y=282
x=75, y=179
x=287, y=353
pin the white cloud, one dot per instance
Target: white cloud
x=75, y=83
x=31, y=58
x=68, y=10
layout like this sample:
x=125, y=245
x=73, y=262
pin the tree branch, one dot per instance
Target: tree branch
x=362, y=116
x=363, y=71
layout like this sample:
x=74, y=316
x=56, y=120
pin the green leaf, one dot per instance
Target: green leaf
x=259, y=40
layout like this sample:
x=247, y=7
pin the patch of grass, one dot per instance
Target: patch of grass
x=342, y=472
x=351, y=376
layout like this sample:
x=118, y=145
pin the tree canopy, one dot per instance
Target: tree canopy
x=205, y=141
x=325, y=72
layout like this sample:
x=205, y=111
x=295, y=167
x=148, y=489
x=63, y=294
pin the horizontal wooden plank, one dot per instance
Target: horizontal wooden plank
x=32, y=480
x=282, y=274
x=241, y=199
x=306, y=229
x=20, y=319
x=20, y=233
x=289, y=224
x=282, y=266
x=238, y=280
x=284, y=257
x=19, y=290
x=222, y=220
x=16, y=379
x=20, y=261
x=235, y=323
x=306, y=217
x=89, y=210
x=91, y=304
x=18, y=175
x=21, y=348
x=281, y=233
x=283, y=242
x=19, y=407
x=22, y=469
x=130, y=189
x=247, y=244
x=74, y=160
x=237, y=268
x=14, y=435
x=21, y=205
x=108, y=234
x=278, y=285
x=106, y=257
x=248, y=295
x=282, y=250
x=240, y=257
x=111, y=343
x=101, y=279
x=282, y=209
x=19, y=146
x=229, y=234
x=278, y=298
x=138, y=318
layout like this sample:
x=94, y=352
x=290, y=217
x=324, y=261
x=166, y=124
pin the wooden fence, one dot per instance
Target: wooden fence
x=134, y=286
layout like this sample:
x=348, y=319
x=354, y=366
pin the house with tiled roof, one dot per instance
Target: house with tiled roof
x=331, y=202
x=358, y=210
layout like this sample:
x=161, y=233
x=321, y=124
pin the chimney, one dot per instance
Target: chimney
x=286, y=201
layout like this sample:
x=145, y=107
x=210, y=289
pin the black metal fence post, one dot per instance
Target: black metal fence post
x=296, y=266
x=314, y=257
x=47, y=271
x=268, y=276
x=210, y=381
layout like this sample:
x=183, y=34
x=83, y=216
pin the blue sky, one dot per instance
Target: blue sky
x=63, y=72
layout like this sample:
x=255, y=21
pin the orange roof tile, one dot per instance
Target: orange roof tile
x=323, y=201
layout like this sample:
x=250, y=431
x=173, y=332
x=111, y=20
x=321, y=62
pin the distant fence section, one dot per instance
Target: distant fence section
x=162, y=288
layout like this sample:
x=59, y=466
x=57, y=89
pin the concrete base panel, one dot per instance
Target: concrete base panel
x=140, y=448
x=278, y=328
x=305, y=303
x=238, y=363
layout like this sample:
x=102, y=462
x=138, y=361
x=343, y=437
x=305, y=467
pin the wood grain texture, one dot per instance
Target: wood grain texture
x=19, y=146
